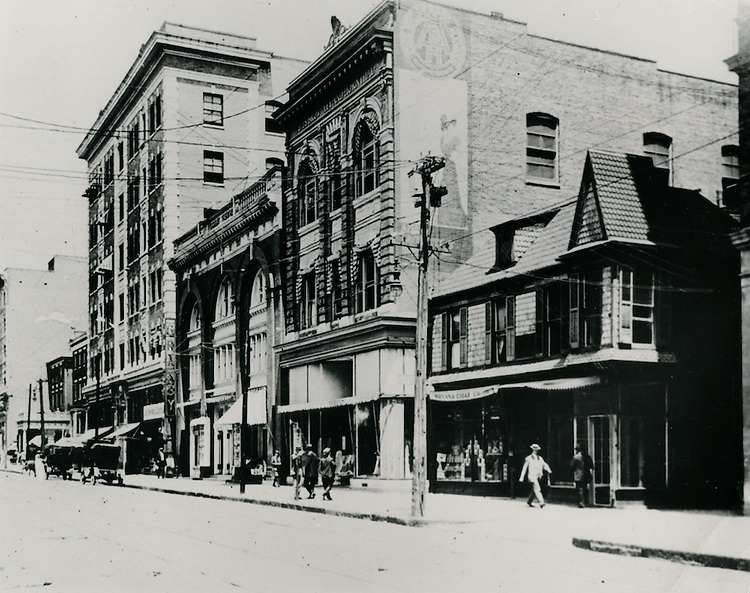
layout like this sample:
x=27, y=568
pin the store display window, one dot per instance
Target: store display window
x=470, y=441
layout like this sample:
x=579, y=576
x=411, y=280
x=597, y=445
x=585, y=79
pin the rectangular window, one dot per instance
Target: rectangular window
x=213, y=109
x=122, y=306
x=213, y=167
x=499, y=330
x=636, y=306
x=591, y=304
x=455, y=338
x=337, y=300
x=366, y=289
x=121, y=207
x=307, y=302
x=730, y=167
x=272, y=126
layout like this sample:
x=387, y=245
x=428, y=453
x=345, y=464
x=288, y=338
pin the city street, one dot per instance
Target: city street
x=64, y=536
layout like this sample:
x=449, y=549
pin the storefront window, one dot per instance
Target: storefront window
x=470, y=441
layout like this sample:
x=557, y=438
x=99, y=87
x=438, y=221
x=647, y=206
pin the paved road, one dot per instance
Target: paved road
x=64, y=536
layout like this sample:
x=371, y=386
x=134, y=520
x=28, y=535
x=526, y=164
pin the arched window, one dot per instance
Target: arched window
x=258, y=291
x=658, y=146
x=195, y=318
x=366, y=156
x=541, y=148
x=307, y=193
x=225, y=300
x=272, y=162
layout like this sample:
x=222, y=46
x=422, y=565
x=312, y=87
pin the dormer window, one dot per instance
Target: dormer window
x=504, y=249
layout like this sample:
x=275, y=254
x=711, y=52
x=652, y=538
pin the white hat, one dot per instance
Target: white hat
x=535, y=447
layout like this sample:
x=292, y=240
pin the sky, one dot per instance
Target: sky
x=61, y=60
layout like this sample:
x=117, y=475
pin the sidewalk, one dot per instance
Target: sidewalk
x=701, y=538
x=709, y=539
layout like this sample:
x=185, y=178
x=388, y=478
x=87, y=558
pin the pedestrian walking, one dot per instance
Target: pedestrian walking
x=161, y=461
x=533, y=470
x=310, y=465
x=326, y=473
x=298, y=471
x=581, y=467
x=276, y=467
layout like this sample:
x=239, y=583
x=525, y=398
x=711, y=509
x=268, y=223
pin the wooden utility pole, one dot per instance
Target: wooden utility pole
x=98, y=359
x=430, y=196
x=28, y=422
x=244, y=386
x=41, y=414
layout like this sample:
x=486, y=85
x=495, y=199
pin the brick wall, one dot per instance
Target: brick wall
x=602, y=99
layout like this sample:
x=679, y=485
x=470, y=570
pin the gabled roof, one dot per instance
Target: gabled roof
x=623, y=199
x=610, y=200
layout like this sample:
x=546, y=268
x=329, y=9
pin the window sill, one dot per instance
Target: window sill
x=368, y=197
x=542, y=183
x=213, y=183
x=212, y=126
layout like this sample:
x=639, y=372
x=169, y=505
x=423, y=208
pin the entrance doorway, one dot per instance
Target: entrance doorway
x=595, y=433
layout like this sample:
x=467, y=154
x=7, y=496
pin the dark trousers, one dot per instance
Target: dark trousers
x=582, y=490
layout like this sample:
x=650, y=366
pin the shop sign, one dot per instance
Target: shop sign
x=153, y=412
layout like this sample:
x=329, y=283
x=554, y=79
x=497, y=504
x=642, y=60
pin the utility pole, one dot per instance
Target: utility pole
x=41, y=413
x=244, y=385
x=97, y=360
x=430, y=197
x=28, y=422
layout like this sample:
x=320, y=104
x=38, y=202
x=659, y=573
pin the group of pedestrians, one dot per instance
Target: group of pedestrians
x=537, y=471
x=307, y=468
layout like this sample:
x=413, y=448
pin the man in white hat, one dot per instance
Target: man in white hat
x=534, y=467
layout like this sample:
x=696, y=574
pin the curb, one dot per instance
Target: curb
x=692, y=558
x=291, y=506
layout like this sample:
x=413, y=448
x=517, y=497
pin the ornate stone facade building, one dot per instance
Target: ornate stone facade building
x=187, y=124
x=228, y=317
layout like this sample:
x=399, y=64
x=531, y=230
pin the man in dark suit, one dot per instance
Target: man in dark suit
x=581, y=467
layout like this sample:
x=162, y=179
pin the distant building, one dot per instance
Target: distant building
x=228, y=319
x=188, y=126
x=40, y=311
x=78, y=351
x=513, y=114
x=609, y=322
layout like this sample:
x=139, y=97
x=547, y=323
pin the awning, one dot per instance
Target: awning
x=66, y=442
x=90, y=434
x=544, y=385
x=125, y=430
x=256, y=410
x=36, y=441
x=322, y=405
x=555, y=384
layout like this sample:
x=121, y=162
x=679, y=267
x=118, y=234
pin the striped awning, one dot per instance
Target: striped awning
x=565, y=384
x=325, y=404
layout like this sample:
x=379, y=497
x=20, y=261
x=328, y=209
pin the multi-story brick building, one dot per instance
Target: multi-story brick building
x=610, y=322
x=513, y=115
x=228, y=317
x=40, y=311
x=186, y=127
